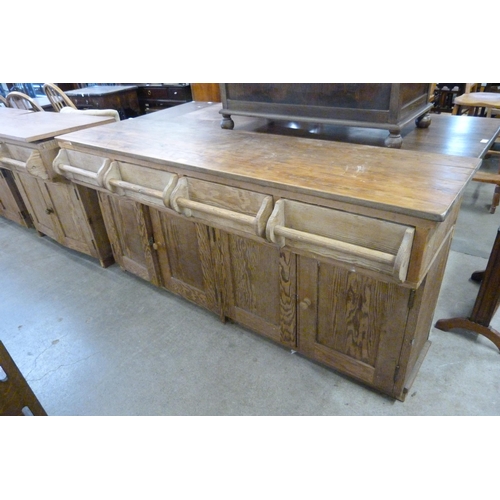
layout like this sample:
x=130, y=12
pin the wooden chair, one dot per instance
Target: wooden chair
x=22, y=101
x=474, y=102
x=95, y=112
x=16, y=396
x=3, y=101
x=57, y=97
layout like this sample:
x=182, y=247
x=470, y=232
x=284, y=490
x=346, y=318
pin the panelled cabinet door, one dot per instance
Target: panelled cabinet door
x=351, y=322
x=129, y=229
x=69, y=218
x=41, y=211
x=185, y=256
x=12, y=206
x=258, y=286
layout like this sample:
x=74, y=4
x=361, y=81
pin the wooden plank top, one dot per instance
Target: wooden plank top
x=32, y=127
x=414, y=183
x=13, y=111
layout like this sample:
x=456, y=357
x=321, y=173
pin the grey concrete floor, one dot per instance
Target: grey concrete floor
x=94, y=341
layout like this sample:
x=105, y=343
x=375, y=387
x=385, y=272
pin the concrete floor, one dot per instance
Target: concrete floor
x=94, y=341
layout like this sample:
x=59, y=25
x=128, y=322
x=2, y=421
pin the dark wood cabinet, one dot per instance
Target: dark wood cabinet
x=388, y=106
x=156, y=97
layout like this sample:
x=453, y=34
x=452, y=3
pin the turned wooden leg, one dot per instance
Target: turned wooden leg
x=423, y=121
x=394, y=139
x=227, y=122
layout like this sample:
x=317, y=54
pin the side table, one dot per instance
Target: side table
x=487, y=301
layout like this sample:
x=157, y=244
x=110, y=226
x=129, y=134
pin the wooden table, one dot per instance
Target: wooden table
x=334, y=250
x=32, y=193
x=487, y=301
x=123, y=98
x=13, y=111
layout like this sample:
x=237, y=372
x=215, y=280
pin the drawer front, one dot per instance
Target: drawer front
x=81, y=168
x=166, y=93
x=222, y=206
x=353, y=240
x=152, y=93
x=25, y=159
x=179, y=93
x=145, y=185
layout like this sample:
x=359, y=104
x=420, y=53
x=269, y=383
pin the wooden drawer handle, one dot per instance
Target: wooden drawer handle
x=136, y=188
x=336, y=245
x=112, y=181
x=75, y=170
x=12, y=163
x=219, y=212
x=61, y=168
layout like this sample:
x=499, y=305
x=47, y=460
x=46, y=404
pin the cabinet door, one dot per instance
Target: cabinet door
x=11, y=204
x=129, y=229
x=259, y=286
x=69, y=217
x=184, y=250
x=42, y=213
x=351, y=322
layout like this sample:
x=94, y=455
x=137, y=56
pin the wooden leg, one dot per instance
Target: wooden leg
x=466, y=324
x=394, y=139
x=423, y=121
x=227, y=122
x=487, y=301
x=477, y=276
x=496, y=200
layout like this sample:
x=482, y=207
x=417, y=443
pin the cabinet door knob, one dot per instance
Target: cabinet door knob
x=49, y=211
x=304, y=304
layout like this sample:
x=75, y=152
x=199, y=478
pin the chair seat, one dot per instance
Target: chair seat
x=479, y=99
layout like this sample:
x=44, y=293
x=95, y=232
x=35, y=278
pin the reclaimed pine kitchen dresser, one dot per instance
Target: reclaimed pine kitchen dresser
x=33, y=194
x=336, y=251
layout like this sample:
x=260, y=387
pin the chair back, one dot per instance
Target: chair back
x=3, y=101
x=57, y=97
x=22, y=101
x=16, y=396
x=113, y=113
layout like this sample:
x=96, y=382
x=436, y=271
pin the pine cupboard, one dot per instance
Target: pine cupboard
x=335, y=251
x=34, y=194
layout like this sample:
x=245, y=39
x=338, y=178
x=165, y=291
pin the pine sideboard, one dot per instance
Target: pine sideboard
x=335, y=251
x=33, y=194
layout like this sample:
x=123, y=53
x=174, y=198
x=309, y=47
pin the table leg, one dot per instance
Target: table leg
x=487, y=301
